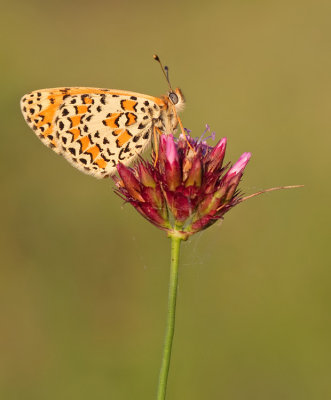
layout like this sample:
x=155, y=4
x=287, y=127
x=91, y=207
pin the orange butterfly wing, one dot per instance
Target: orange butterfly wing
x=93, y=129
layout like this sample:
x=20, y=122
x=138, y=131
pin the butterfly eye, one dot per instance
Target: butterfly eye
x=173, y=97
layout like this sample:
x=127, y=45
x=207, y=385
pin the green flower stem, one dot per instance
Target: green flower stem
x=170, y=328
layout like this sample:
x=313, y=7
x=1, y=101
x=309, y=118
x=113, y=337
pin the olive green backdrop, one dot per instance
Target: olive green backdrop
x=83, y=278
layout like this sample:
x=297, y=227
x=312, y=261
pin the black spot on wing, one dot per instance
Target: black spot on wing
x=104, y=157
x=121, y=155
x=110, y=153
x=146, y=135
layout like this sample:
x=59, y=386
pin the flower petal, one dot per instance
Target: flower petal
x=130, y=182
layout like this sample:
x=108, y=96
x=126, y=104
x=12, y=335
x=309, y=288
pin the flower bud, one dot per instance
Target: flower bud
x=195, y=174
x=172, y=168
x=216, y=156
x=145, y=176
x=238, y=167
x=130, y=182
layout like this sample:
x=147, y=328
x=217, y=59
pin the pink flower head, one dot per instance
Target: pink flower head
x=187, y=189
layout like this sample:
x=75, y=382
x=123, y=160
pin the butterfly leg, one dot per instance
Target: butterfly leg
x=182, y=129
x=156, y=129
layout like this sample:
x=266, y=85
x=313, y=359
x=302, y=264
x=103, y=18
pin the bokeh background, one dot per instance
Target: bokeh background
x=83, y=278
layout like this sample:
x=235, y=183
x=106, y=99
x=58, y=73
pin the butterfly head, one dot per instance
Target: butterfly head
x=177, y=99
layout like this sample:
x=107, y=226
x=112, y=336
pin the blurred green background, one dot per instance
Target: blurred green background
x=83, y=278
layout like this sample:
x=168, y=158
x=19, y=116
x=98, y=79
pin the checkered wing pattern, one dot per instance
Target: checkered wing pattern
x=94, y=129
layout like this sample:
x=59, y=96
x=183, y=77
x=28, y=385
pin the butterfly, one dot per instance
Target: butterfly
x=95, y=129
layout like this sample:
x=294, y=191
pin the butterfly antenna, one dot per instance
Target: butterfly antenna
x=165, y=70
